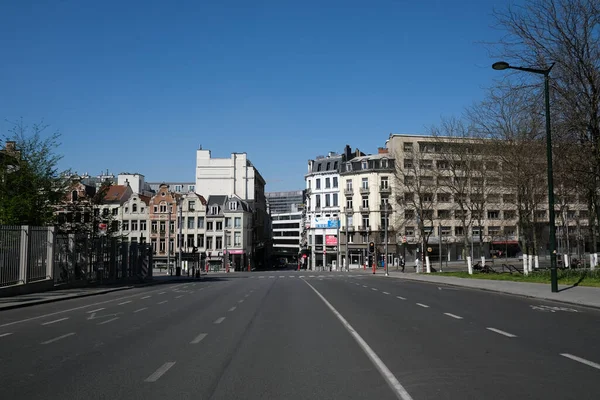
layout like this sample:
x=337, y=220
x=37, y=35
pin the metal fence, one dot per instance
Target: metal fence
x=91, y=259
x=33, y=254
x=25, y=254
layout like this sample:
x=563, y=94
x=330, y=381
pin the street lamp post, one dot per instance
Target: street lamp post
x=180, y=238
x=346, y=250
x=502, y=65
x=385, y=257
x=339, y=248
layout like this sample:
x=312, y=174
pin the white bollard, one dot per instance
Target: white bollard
x=594, y=261
x=428, y=264
x=469, y=265
x=566, y=260
x=530, y=262
x=482, y=261
x=525, y=266
x=537, y=263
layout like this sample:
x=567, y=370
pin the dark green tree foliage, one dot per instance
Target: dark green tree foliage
x=30, y=183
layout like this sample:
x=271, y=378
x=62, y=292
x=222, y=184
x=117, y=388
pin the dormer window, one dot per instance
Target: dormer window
x=384, y=163
x=214, y=210
x=134, y=208
x=233, y=205
x=74, y=195
x=365, y=164
x=348, y=166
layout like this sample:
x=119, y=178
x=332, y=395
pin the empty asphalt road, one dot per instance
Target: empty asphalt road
x=299, y=335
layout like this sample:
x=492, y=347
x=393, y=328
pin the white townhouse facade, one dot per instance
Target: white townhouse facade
x=134, y=219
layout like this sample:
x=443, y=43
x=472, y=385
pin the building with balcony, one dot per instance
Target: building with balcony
x=367, y=193
x=323, y=207
x=458, y=196
x=286, y=209
x=163, y=214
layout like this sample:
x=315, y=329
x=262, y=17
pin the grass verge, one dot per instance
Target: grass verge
x=565, y=277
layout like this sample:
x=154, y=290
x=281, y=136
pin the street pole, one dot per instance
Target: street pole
x=502, y=65
x=180, y=241
x=226, y=255
x=339, y=248
x=440, y=244
x=169, y=242
x=385, y=257
x=346, y=250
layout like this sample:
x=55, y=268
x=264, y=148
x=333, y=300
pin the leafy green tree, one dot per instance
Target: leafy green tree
x=30, y=182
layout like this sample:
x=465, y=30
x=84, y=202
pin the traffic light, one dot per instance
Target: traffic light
x=371, y=247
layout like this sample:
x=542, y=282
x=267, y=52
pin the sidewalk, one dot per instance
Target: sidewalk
x=579, y=295
x=32, y=299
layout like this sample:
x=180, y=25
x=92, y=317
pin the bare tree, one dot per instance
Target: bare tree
x=565, y=32
x=416, y=184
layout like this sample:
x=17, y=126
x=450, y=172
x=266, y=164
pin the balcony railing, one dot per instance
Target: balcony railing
x=385, y=189
x=364, y=190
x=364, y=209
x=348, y=191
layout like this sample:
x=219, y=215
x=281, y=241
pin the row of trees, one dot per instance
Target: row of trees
x=497, y=148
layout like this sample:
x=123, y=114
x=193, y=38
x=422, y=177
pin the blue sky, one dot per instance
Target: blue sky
x=137, y=86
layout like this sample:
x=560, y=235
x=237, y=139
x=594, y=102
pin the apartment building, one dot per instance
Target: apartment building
x=478, y=203
x=367, y=190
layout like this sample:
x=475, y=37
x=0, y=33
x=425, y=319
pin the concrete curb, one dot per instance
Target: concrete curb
x=564, y=301
x=104, y=291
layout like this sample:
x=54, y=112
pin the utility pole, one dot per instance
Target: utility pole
x=180, y=241
x=385, y=257
x=347, y=236
x=169, y=242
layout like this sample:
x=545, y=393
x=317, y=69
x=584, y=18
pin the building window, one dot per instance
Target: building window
x=219, y=225
x=494, y=231
x=209, y=243
x=192, y=188
x=409, y=214
x=335, y=199
x=233, y=205
x=125, y=225
x=172, y=226
x=328, y=165
x=237, y=239
x=364, y=164
x=162, y=226
x=162, y=246
x=214, y=210
x=218, y=243
x=190, y=241
x=237, y=222
x=348, y=184
x=200, y=240
x=409, y=231
x=142, y=225
x=365, y=183
x=191, y=205
x=384, y=163
x=408, y=147
x=209, y=225
x=228, y=222
x=327, y=200
x=459, y=231
x=444, y=214
x=349, y=166
x=163, y=208
x=327, y=183
x=134, y=225
x=493, y=214
x=191, y=222
x=318, y=183
x=155, y=209
x=408, y=163
x=200, y=222
x=365, y=238
x=365, y=221
x=319, y=167
x=133, y=208
x=115, y=211
x=349, y=203
x=170, y=208
x=335, y=181
x=365, y=201
x=350, y=238
x=446, y=231
x=228, y=240
x=318, y=201
x=384, y=182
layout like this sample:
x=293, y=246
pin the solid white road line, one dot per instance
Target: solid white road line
x=581, y=360
x=423, y=305
x=162, y=302
x=401, y=298
x=396, y=386
x=219, y=320
x=232, y=308
x=55, y=321
x=160, y=372
x=453, y=315
x=141, y=309
x=108, y=320
x=198, y=338
x=146, y=297
x=385, y=293
x=96, y=310
x=125, y=302
x=5, y=334
x=58, y=338
x=501, y=332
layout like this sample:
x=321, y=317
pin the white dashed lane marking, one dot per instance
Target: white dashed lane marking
x=160, y=372
x=423, y=305
x=581, y=360
x=498, y=331
x=453, y=315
